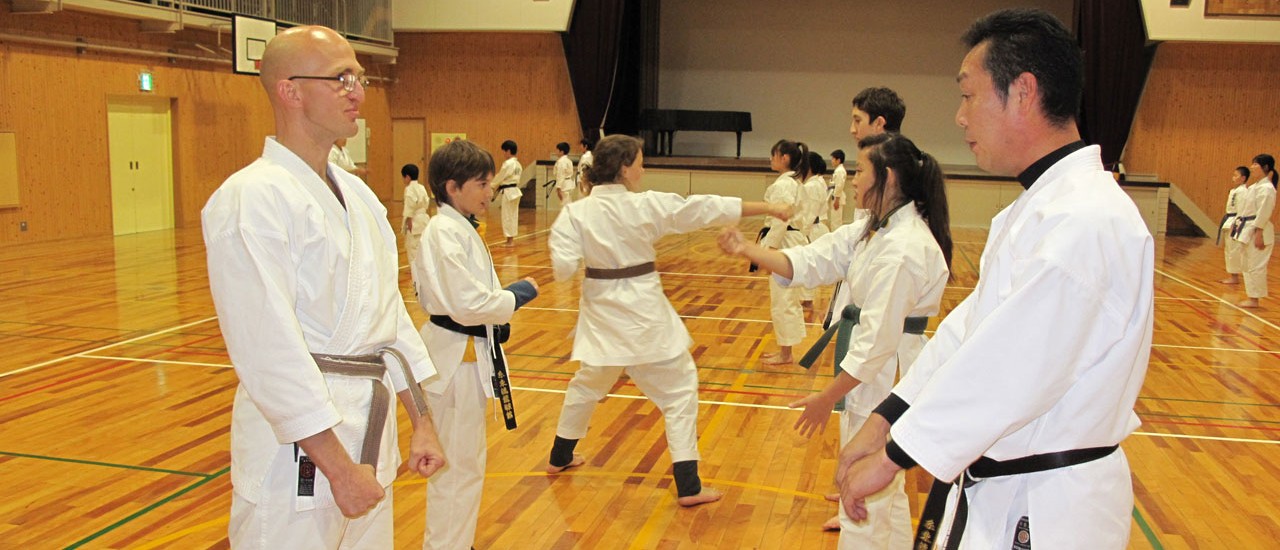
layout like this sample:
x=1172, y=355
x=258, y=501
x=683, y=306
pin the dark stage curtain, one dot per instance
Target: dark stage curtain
x=611, y=50
x=1116, y=61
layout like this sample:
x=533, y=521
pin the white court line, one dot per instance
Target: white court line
x=1219, y=299
x=702, y=317
x=100, y=348
x=495, y=243
x=1203, y=348
x=160, y=361
x=700, y=401
x=1212, y=438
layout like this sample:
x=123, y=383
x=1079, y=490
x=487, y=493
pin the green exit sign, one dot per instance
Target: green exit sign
x=145, y=82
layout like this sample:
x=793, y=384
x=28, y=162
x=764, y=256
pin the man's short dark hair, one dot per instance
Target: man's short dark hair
x=1030, y=40
x=510, y=146
x=410, y=170
x=460, y=161
x=563, y=147
x=838, y=154
x=882, y=102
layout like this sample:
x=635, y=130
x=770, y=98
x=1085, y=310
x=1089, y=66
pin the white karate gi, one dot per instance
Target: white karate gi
x=455, y=277
x=784, y=303
x=584, y=162
x=835, y=217
x=564, y=179
x=1259, y=201
x=341, y=157
x=1047, y=354
x=294, y=273
x=1232, y=249
x=415, y=208
x=899, y=272
x=628, y=324
x=813, y=204
x=509, y=199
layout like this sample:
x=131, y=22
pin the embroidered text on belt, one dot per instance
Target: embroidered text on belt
x=842, y=330
x=372, y=367
x=501, y=384
x=1238, y=226
x=985, y=468
x=622, y=272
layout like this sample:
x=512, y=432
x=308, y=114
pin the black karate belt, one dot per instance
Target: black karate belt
x=502, y=188
x=623, y=272
x=372, y=366
x=842, y=329
x=501, y=384
x=985, y=468
x=752, y=267
x=1217, y=241
x=1238, y=226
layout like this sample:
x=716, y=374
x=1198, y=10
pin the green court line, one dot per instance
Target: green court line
x=1193, y=417
x=1146, y=529
x=106, y=464
x=149, y=508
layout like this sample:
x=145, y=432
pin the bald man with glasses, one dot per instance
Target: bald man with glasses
x=304, y=275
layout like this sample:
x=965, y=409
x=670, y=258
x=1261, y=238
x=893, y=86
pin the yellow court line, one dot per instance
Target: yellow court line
x=182, y=533
x=417, y=480
x=649, y=532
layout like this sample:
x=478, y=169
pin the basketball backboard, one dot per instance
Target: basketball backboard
x=249, y=37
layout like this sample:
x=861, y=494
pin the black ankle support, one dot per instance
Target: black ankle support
x=562, y=451
x=687, y=481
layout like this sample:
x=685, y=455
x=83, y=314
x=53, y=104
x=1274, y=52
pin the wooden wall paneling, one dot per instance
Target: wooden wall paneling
x=492, y=86
x=1207, y=108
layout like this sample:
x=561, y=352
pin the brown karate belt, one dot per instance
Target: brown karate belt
x=372, y=367
x=623, y=272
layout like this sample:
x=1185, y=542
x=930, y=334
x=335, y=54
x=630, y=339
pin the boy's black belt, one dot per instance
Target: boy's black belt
x=501, y=385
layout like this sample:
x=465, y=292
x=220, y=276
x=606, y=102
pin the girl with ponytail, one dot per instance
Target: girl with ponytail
x=894, y=265
x=1256, y=231
x=791, y=160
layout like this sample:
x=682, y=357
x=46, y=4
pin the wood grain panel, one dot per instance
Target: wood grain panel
x=1269, y=8
x=1207, y=108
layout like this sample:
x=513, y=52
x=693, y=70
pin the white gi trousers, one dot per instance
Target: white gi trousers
x=817, y=230
x=453, y=493
x=1233, y=251
x=672, y=385
x=784, y=309
x=413, y=245
x=835, y=217
x=888, y=523
x=510, y=216
x=274, y=523
x=1255, y=269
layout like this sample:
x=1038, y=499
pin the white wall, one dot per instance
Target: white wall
x=481, y=15
x=1165, y=22
x=797, y=65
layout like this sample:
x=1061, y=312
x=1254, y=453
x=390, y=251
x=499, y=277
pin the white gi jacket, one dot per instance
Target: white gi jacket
x=629, y=321
x=1259, y=201
x=509, y=173
x=1047, y=354
x=564, y=175
x=415, y=206
x=341, y=157
x=292, y=272
x=455, y=277
x=899, y=272
x=786, y=190
x=584, y=162
x=838, y=177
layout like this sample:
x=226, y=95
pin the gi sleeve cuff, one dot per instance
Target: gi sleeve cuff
x=898, y=456
x=892, y=409
x=524, y=292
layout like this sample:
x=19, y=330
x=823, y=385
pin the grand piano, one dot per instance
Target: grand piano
x=666, y=122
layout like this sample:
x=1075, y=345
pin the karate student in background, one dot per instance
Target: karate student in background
x=508, y=192
x=584, y=162
x=625, y=322
x=836, y=190
x=790, y=159
x=1233, y=250
x=469, y=310
x=1255, y=230
x=414, y=215
x=1046, y=357
x=338, y=154
x=566, y=184
x=895, y=265
x=304, y=274
x=813, y=206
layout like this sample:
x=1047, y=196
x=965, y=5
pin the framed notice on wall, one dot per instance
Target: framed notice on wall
x=8, y=169
x=438, y=139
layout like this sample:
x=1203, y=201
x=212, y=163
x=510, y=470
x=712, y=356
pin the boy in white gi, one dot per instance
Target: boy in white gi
x=1026, y=389
x=813, y=206
x=469, y=311
x=836, y=190
x=340, y=156
x=1254, y=230
x=584, y=162
x=303, y=268
x=508, y=192
x=1233, y=250
x=894, y=265
x=414, y=215
x=566, y=183
x=625, y=322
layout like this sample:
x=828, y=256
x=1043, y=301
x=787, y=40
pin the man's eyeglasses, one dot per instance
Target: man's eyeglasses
x=348, y=80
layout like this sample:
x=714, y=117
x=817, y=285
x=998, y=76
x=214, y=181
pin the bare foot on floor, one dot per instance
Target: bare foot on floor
x=832, y=524
x=707, y=495
x=1250, y=303
x=1230, y=281
x=578, y=460
x=775, y=359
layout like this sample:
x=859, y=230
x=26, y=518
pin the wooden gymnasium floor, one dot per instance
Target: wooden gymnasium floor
x=115, y=396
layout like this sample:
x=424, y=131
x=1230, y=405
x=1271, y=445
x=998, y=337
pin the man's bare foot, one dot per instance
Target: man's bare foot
x=1250, y=303
x=776, y=359
x=578, y=460
x=832, y=524
x=707, y=495
x=1230, y=281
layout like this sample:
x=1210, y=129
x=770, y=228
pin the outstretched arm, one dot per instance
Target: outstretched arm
x=732, y=242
